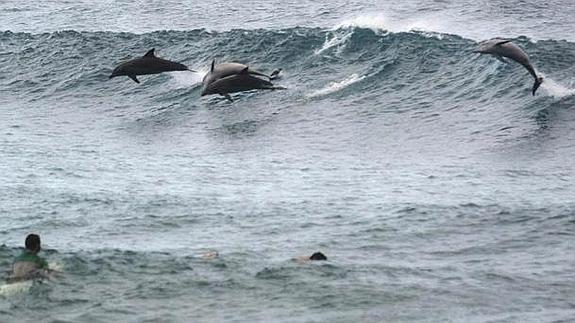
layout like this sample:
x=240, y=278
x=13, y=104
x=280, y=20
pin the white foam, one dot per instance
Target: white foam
x=379, y=22
x=335, y=40
x=10, y=289
x=555, y=89
x=187, y=78
x=336, y=86
x=57, y=266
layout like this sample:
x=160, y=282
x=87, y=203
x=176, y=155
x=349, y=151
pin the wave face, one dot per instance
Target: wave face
x=428, y=174
x=432, y=79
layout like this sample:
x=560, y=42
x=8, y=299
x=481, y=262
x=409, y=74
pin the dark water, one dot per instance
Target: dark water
x=438, y=187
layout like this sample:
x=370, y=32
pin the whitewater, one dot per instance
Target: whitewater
x=439, y=188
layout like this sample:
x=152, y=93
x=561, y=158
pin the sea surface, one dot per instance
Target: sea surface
x=439, y=188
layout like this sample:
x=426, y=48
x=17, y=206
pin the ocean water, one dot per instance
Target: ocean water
x=440, y=189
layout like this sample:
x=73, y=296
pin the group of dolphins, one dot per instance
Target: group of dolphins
x=223, y=79
x=226, y=78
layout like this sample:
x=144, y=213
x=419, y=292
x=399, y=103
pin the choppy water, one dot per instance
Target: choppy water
x=439, y=188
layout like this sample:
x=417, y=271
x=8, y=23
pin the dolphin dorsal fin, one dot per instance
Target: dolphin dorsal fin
x=213, y=64
x=244, y=71
x=150, y=53
x=505, y=41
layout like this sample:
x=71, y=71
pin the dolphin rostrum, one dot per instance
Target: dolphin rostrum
x=228, y=78
x=145, y=65
x=505, y=48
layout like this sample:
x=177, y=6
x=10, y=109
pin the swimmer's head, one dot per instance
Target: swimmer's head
x=318, y=256
x=33, y=242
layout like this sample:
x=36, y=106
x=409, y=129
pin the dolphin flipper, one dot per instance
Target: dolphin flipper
x=133, y=77
x=227, y=96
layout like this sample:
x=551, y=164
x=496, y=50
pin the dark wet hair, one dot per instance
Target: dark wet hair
x=33, y=242
x=318, y=256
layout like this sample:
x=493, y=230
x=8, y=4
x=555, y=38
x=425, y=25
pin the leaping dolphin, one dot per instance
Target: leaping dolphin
x=145, y=65
x=505, y=48
x=228, y=78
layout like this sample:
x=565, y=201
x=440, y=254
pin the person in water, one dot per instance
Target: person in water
x=29, y=265
x=315, y=256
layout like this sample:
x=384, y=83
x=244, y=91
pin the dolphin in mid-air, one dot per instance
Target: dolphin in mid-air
x=145, y=65
x=505, y=48
x=228, y=78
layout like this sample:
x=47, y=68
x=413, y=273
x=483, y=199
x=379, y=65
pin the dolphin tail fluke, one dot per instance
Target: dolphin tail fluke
x=537, y=83
x=275, y=74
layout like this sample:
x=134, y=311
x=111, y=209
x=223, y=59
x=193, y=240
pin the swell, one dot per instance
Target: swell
x=416, y=69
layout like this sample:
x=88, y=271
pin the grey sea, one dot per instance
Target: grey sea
x=439, y=188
